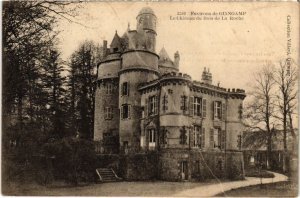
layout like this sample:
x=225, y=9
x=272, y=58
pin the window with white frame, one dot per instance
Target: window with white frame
x=151, y=136
x=109, y=88
x=217, y=110
x=152, y=105
x=197, y=135
x=108, y=113
x=197, y=106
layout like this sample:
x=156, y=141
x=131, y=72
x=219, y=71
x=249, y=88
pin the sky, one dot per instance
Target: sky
x=232, y=49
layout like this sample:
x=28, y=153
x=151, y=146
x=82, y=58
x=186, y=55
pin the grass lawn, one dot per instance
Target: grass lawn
x=255, y=172
x=280, y=189
x=156, y=188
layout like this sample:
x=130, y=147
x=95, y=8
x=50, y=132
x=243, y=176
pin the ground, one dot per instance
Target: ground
x=155, y=188
x=280, y=189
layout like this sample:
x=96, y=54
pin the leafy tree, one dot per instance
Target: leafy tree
x=28, y=49
x=81, y=88
x=55, y=83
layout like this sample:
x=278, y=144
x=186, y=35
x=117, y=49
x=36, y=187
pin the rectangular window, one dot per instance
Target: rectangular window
x=152, y=105
x=108, y=113
x=183, y=103
x=217, y=110
x=109, y=88
x=217, y=138
x=197, y=136
x=151, y=136
x=125, y=89
x=197, y=106
x=125, y=111
x=165, y=103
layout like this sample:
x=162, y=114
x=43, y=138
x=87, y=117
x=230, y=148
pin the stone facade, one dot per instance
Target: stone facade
x=144, y=104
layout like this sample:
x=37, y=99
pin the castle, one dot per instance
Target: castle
x=144, y=106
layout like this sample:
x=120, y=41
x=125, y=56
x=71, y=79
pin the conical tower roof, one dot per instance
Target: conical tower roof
x=116, y=42
x=163, y=55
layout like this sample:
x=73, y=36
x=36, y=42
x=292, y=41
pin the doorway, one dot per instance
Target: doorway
x=184, y=170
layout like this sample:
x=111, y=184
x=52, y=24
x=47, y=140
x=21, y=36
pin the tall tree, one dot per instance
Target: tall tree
x=28, y=33
x=260, y=109
x=55, y=83
x=286, y=78
x=81, y=88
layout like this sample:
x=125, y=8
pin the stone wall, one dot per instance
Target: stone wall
x=139, y=167
x=102, y=100
x=166, y=165
x=201, y=165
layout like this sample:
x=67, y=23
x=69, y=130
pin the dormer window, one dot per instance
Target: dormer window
x=115, y=49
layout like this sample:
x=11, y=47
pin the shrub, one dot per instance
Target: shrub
x=73, y=159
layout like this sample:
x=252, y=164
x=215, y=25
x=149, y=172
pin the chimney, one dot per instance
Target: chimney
x=176, y=59
x=104, y=53
x=206, y=76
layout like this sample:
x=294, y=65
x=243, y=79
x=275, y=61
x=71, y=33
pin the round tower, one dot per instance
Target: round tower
x=146, y=24
x=106, y=122
x=146, y=20
x=138, y=66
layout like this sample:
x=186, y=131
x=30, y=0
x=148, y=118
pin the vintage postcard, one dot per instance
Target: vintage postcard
x=173, y=99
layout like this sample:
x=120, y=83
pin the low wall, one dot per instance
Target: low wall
x=200, y=165
x=167, y=165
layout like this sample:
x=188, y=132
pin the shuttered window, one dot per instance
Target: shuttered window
x=197, y=106
x=184, y=105
x=197, y=136
x=191, y=106
x=203, y=107
x=203, y=138
x=211, y=138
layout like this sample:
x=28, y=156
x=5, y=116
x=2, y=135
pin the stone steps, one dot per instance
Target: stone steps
x=107, y=175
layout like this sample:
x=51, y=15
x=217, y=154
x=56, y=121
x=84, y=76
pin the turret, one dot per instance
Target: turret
x=176, y=59
x=146, y=20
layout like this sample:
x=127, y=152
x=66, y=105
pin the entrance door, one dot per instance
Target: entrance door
x=184, y=170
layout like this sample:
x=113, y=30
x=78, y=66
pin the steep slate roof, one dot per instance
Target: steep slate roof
x=163, y=55
x=116, y=42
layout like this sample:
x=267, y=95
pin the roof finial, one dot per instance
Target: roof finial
x=128, y=27
x=204, y=69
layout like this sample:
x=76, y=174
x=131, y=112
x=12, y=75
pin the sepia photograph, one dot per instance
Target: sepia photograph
x=150, y=99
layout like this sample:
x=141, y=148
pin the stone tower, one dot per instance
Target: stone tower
x=146, y=27
x=139, y=65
